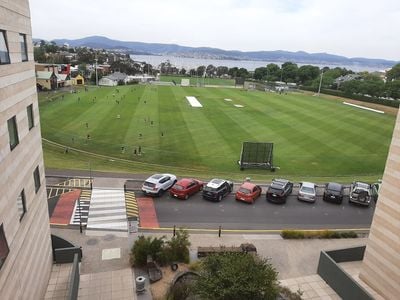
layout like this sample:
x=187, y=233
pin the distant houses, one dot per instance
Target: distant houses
x=118, y=78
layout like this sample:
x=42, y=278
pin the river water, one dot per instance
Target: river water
x=250, y=65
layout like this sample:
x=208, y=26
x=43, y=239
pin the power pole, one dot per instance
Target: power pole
x=320, y=83
x=97, y=79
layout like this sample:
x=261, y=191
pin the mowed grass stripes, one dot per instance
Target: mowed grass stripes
x=156, y=125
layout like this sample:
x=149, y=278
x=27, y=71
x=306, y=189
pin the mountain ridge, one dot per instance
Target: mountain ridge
x=216, y=53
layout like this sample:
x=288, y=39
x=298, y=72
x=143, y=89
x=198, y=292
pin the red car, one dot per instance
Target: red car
x=248, y=192
x=185, y=188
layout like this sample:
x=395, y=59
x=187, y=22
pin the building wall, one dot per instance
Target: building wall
x=381, y=264
x=26, y=270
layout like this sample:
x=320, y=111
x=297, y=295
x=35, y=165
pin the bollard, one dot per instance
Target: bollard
x=219, y=231
x=174, y=230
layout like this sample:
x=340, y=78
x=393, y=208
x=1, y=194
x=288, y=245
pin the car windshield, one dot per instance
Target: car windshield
x=275, y=190
x=306, y=189
x=244, y=191
x=210, y=189
x=359, y=191
x=149, y=184
x=178, y=187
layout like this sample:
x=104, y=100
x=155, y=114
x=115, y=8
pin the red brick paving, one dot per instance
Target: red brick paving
x=147, y=213
x=65, y=207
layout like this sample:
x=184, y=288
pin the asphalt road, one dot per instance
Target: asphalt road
x=231, y=214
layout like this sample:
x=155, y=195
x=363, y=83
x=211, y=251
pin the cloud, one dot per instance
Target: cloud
x=351, y=28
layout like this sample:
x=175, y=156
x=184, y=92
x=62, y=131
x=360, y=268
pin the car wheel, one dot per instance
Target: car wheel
x=160, y=192
x=201, y=187
x=186, y=197
x=219, y=198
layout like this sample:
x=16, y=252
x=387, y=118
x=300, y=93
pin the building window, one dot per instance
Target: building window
x=3, y=246
x=13, y=132
x=36, y=178
x=21, y=205
x=29, y=111
x=24, y=51
x=4, y=55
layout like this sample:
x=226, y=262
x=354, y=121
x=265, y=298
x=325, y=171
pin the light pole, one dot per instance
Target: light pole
x=320, y=82
x=97, y=79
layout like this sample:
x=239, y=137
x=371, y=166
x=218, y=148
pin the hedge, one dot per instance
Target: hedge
x=386, y=102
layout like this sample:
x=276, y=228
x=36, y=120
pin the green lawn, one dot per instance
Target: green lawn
x=199, y=80
x=313, y=137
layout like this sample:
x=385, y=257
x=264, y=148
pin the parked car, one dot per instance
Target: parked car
x=307, y=192
x=248, y=192
x=216, y=189
x=360, y=193
x=375, y=190
x=279, y=190
x=333, y=192
x=157, y=184
x=186, y=187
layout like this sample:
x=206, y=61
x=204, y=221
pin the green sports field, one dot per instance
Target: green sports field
x=313, y=137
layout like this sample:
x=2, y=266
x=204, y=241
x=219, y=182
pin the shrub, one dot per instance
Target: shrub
x=145, y=246
x=326, y=234
x=163, y=252
x=178, y=247
x=292, y=234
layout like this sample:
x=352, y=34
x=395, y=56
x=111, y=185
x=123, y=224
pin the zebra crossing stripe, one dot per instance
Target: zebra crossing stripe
x=131, y=205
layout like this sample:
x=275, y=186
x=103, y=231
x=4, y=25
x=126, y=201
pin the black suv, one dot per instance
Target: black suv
x=279, y=190
x=216, y=189
x=333, y=192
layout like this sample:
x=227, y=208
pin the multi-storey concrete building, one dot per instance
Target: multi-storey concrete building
x=25, y=245
x=381, y=264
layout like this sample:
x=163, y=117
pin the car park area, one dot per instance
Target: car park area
x=231, y=214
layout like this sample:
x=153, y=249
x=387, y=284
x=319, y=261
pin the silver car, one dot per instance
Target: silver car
x=307, y=192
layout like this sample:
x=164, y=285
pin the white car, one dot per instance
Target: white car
x=307, y=192
x=157, y=184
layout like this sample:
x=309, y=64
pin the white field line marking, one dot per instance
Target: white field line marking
x=363, y=107
x=228, y=100
x=193, y=101
x=238, y=105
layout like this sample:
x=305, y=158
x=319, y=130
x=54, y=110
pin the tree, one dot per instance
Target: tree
x=233, y=71
x=242, y=72
x=260, y=73
x=182, y=71
x=289, y=72
x=393, y=89
x=307, y=73
x=222, y=70
x=393, y=73
x=236, y=276
x=200, y=71
x=273, y=72
x=211, y=70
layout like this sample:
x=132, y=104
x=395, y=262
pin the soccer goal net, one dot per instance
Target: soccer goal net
x=256, y=155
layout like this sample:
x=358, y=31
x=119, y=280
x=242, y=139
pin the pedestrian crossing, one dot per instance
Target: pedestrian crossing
x=53, y=192
x=131, y=205
x=81, y=209
x=107, y=210
x=76, y=182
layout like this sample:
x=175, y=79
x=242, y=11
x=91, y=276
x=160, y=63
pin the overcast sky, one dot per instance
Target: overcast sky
x=353, y=28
